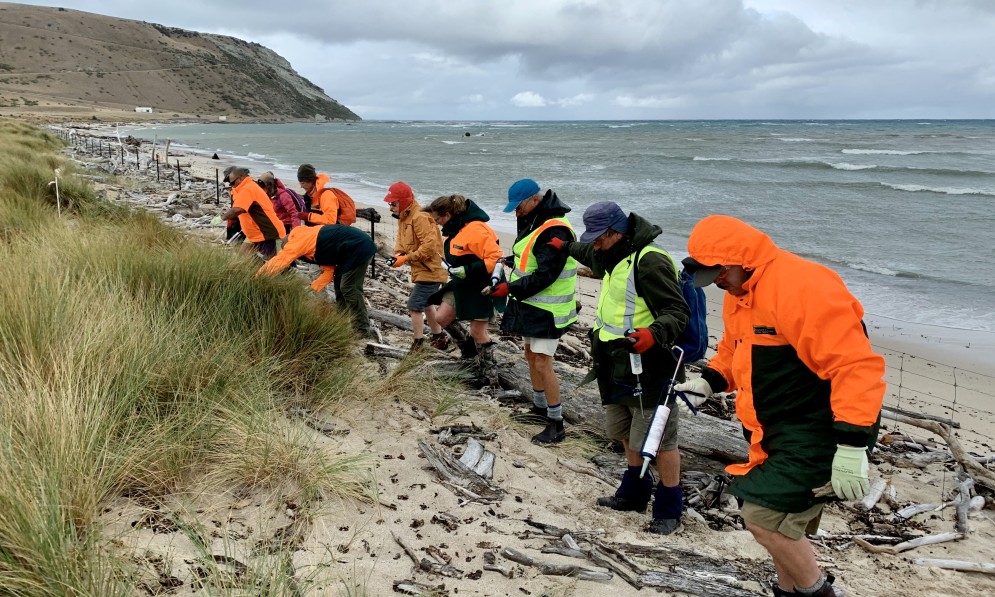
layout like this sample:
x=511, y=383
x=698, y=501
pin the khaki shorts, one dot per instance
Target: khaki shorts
x=546, y=346
x=791, y=525
x=627, y=422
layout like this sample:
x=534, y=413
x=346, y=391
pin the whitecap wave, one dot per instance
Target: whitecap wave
x=798, y=140
x=916, y=188
x=453, y=142
x=881, y=152
x=846, y=166
x=698, y=158
x=874, y=269
x=256, y=156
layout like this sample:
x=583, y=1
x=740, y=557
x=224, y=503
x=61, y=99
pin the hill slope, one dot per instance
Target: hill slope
x=54, y=57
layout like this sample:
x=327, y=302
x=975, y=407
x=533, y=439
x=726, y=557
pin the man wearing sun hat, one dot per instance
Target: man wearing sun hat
x=541, y=290
x=809, y=388
x=419, y=246
x=640, y=310
x=254, y=210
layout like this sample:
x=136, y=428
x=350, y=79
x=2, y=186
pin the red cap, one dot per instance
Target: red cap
x=400, y=192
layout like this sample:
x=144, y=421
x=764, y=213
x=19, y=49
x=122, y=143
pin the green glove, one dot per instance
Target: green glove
x=458, y=272
x=850, y=472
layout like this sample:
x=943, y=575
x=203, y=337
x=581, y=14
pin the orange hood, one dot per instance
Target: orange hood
x=724, y=240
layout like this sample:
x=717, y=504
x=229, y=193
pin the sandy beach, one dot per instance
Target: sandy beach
x=941, y=371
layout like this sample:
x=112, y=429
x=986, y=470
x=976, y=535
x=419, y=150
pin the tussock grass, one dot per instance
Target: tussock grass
x=133, y=362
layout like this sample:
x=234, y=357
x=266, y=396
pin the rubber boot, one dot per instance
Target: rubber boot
x=552, y=434
x=633, y=495
x=668, y=506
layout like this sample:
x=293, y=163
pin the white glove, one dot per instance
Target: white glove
x=697, y=391
x=458, y=272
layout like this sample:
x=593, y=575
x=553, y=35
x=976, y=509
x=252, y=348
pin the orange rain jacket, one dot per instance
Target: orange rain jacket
x=259, y=222
x=419, y=238
x=329, y=205
x=796, y=352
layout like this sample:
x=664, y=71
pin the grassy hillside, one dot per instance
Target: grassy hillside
x=55, y=57
x=136, y=362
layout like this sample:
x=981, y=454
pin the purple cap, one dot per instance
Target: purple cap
x=601, y=217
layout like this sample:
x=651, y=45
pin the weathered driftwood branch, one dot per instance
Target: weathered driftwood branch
x=398, y=321
x=890, y=412
x=956, y=565
x=456, y=474
x=874, y=493
x=556, y=531
x=376, y=349
x=979, y=472
x=603, y=560
x=584, y=471
x=551, y=569
x=907, y=545
x=692, y=585
x=410, y=587
x=963, y=503
x=490, y=563
x=426, y=564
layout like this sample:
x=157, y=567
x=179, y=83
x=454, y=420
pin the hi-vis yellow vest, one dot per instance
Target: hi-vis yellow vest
x=619, y=307
x=558, y=298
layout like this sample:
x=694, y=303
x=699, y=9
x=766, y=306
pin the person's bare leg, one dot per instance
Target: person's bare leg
x=794, y=559
x=668, y=466
x=433, y=324
x=478, y=331
x=417, y=324
x=541, y=371
x=445, y=315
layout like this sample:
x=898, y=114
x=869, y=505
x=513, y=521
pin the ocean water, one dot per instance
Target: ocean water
x=904, y=211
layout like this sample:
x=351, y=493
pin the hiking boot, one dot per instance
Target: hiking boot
x=779, y=592
x=417, y=345
x=534, y=416
x=487, y=364
x=440, y=341
x=467, y=349
x=552, y=434
x=632, y=495
x=663, y=526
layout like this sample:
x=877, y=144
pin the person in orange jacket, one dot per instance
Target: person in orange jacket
x=809, y=388
x=344, y=253
x=254, y=210
x=419, y=245
x=328, y=205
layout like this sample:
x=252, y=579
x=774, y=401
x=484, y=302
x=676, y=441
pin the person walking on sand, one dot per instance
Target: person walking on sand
x=344, y=254
x=283, y=203
x=640, y=309
x=419, y=245
x=809, y=388
x=328, y=205
x=471, y=254
x=542, y=303
x=254, y=210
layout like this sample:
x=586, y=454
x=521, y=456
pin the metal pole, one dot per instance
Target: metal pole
x=179, y=181
x=217, y=188
x=138, y=164
x=157, y=168
x=373, y=262
x=121, y=153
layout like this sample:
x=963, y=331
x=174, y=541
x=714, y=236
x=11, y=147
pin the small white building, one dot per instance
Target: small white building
x=144, y=109
x=222, y=118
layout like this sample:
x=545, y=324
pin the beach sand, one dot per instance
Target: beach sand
x=350, y=547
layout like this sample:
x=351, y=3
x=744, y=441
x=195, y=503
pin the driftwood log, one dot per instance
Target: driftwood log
x=552, y=569
x=907, y=545
x=956, y=565
x=441, y=568
x=980, y=474
x=461, y=479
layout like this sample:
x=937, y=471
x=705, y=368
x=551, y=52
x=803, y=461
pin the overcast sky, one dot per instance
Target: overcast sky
x=618, y=59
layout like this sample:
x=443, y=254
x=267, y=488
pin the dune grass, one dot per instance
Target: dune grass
x=133, y=361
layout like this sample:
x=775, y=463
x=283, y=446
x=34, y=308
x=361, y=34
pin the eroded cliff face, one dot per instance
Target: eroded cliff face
x=61, y=57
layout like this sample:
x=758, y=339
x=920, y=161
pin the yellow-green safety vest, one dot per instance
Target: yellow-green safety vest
x=558, y=298
x=619, y=307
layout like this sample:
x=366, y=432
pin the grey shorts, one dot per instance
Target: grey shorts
x=791, y=525
x=627, y=422
x=418, y=299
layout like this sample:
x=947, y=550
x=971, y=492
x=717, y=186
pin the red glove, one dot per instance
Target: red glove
x=643, y=340
x=556, y=243
x=498, y=291
x=399, y=260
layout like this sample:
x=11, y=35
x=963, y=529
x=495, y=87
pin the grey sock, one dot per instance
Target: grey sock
x=555, y=412
x=539, y=398
x=814, y=588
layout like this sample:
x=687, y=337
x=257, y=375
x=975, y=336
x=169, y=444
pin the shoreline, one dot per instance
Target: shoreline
x=966, y=349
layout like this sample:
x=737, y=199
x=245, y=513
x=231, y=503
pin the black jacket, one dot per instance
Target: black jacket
x=344, y=247
x=527, y=320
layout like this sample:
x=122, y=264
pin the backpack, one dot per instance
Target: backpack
x=347, y=207
x=694, y=338
x=302, y=207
